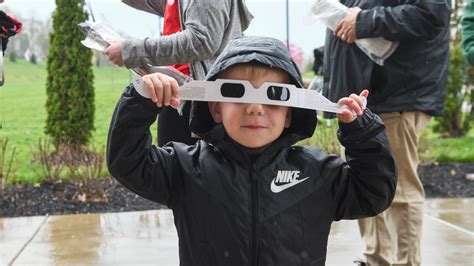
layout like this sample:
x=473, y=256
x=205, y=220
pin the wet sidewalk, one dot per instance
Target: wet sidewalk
x=138, y=238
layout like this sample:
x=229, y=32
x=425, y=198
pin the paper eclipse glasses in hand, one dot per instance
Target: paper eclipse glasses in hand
x=242, y=91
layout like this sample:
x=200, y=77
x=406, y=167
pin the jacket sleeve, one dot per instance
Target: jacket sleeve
x=365, y=185
x=147, y=170
x=415, y=19
x=467, y=24
x=204, y=25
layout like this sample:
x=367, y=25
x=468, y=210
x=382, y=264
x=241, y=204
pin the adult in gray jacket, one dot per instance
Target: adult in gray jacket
x=406, y=91
x=205, y=29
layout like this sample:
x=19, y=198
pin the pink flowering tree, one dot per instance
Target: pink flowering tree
x=298, y=54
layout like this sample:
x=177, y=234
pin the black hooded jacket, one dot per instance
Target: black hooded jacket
x=414, y=77
x=276, y=209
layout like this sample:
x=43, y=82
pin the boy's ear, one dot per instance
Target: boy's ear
x=288, y=118
x=215, y=110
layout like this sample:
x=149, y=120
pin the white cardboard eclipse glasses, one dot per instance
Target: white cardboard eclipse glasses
x=242, y=91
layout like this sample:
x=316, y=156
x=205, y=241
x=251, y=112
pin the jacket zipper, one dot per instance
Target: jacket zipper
x=255, y=217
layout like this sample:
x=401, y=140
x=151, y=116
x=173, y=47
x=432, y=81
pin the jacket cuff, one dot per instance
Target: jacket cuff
x=364, y=23
x=133, y=52
x=148, y=104
x=360, y=123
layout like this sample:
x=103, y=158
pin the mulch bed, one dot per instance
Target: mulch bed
x=447, y=180
x=55, y=198
x=440, y=181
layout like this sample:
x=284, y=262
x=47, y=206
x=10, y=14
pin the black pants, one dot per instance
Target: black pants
x=172, y=127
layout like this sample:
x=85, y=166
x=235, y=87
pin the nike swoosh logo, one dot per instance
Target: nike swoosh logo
x=276, y=189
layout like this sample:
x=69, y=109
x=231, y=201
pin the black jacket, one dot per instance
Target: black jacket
x=414, y=77
x=230, y=209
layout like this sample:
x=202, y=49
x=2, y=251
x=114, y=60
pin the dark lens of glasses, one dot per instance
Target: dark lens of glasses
x=278, y=93
x=232, y=90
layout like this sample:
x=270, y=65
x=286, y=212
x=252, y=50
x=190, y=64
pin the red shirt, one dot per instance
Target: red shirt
x=172, y=25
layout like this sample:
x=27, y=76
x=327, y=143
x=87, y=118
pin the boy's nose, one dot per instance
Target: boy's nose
x=255, y=109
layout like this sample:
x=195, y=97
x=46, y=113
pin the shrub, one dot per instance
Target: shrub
x=49, y=168
x=455, y=121
x=33, y=59
x=325, y=136
x=69, y=86
x=5, y=165
x=84, y=167
x=87, y=174
x=12, y=57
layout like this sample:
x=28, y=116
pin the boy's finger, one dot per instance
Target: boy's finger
x=174, y=88
x=357, y=106
x=346, y=116
x=359, y=99
x=148, y=84
x=175, y=102
x=166, y=91
x=364, y=93
x=352, y=106
x=343, y=101
x=158, y=91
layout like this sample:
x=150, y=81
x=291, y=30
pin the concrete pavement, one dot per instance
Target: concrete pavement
x=145, y=238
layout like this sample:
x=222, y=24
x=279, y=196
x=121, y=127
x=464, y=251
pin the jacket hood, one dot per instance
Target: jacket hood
x=245, y=15
x=267, y=51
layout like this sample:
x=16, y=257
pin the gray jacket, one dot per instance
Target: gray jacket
x=207, y=27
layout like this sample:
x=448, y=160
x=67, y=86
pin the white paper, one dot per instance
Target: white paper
x=331, y=12
x=99, y=35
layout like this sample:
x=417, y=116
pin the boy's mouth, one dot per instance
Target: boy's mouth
x=254, y=126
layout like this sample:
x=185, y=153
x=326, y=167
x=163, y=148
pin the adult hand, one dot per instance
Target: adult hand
x=114, y=53
x=1, y=1
x=163, y=89
x=346, y=29
x=355, y=104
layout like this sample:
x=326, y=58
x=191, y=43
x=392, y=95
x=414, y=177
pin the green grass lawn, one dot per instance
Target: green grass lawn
x=435, y=148
x=23, y=115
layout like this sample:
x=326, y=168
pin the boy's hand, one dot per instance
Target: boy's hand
x=355, y=106
x=163, y=89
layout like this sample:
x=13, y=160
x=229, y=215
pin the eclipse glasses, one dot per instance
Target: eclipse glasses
x=242, y=91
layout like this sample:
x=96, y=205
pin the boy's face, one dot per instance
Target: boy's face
x=252, y=125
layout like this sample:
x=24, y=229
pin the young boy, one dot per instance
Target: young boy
x=243, y=195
